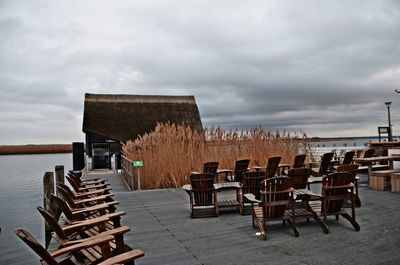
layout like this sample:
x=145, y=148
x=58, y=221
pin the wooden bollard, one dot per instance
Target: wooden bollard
x=48, y=189
x=59, y=179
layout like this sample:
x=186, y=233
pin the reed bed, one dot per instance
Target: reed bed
x=172, y=151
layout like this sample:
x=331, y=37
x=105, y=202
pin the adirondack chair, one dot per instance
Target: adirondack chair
x=272, y=166
x=93, y=181
x=210, y=167
x=79, y=214
x=352, y=169
x=80, y=231
x=241, y=166
x=78, y=202
x=251, y=183
x=299, y=179
x=297, y=163
x=336, y=189
x=80, y=188
x=202, y=193
x=72, y=253
x=275, y=204
x=348, y=157
x=324, y=165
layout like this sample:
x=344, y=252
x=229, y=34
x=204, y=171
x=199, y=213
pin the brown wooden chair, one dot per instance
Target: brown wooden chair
x=202, y=193
x=272, y=166
x=348, y=157
x=275, y=204
x=298, y=162
x=241, y=166
x=80, y=231
x=336, y=189
x=78, y=187
x=324, y=166
x=251, y=183
x=299, y=180
x=72, y=253
x=210, y=167
x=352, y=169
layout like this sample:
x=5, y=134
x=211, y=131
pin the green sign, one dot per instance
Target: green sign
x=137, y=163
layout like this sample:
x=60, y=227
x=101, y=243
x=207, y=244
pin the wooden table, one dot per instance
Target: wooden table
x=371, y=160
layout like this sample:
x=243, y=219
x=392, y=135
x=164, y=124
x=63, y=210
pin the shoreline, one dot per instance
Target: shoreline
x=31, y=149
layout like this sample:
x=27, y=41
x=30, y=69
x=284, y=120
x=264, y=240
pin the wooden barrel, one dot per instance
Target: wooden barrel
x=395, y=181
x=380, y=180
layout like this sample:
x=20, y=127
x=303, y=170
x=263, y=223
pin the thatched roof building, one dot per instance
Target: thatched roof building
x=125, y=117
x=119, y=118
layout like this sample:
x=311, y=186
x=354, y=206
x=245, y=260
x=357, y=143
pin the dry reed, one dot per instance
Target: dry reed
x=172, y=151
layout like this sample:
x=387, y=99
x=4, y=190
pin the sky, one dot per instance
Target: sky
x=322, y=67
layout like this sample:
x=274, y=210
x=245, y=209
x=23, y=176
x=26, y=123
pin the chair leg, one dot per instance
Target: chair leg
x=322, y=224
x=294, y=227
x=352, y=221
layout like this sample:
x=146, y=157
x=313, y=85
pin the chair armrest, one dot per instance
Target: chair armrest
x=109, y=216
x=113, y=232
x=94, y=187
x=78, y=211
x=124, y=257
x=93, y=192
x=85, y=223
x=251, y=197
x=91, y=199
x=83, y=245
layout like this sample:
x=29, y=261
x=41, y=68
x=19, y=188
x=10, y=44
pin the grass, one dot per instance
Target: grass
x=172, y=151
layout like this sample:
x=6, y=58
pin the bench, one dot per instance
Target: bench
x=380, y=180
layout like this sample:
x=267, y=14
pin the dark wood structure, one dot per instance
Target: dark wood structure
x=109, y=120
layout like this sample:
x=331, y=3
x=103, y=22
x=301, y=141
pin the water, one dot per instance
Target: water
x=21, y=191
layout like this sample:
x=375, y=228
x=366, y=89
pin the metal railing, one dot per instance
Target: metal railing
x=128, y=173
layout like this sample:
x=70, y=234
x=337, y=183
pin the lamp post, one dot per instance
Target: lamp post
x=390, y=124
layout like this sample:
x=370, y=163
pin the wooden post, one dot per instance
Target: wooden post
x=48, y=189
x=59, y=179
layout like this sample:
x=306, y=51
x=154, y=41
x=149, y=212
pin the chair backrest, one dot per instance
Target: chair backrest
x=251, y=182
x=272, y=166
x=66, y=195
x=299, y=177
x=335, y=188
x=275, y=197
x=299, y=161
x=325, y=162
x=35, y=246
x=53, y=223
x=210, y=167
x=369, y=153
x=241, y=167
x=63, y=206
x=350, y=168
x=348, y=157
x=202, y=188
x=75, y=185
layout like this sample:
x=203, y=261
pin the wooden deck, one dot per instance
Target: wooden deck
x=162, y=227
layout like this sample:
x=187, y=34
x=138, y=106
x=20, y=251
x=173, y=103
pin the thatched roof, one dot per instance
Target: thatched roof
x=125, y=117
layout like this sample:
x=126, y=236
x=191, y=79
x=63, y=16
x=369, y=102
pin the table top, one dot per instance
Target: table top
x=377, y=159
x=218, y=186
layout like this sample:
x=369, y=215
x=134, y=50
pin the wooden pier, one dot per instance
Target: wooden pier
x=162, y=227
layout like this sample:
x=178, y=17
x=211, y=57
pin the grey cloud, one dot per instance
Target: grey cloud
x=325, y=67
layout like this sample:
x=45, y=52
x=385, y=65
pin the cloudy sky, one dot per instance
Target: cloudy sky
x=325, y=67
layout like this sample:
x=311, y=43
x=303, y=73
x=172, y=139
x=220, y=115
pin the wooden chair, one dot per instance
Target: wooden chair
x=348, y=157
x=251, y=183
x=202, y=193
x=241, y=166
x=79, y=188
x=210, y=167
x=297, y=163
x=83, y=183
x=336, y=189
x=324, y=165
x=70, y=253
x=272, y=166
x=299, y=179
x=80, y=231
x=275, y=198
x=352, y=169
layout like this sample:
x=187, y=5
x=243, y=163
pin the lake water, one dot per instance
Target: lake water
x=21, y=191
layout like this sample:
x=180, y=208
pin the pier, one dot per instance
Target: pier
x=162, y=227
